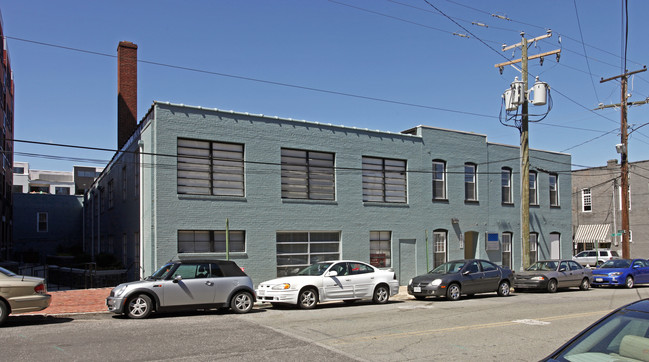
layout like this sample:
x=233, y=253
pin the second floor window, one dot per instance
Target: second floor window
x=554, y=190
x=439, y=180
x=586, y=201
x=534, y=199
x=307, y=175
x=506, y=186
x=470, y=182
x=384, y=180
x=210, y=168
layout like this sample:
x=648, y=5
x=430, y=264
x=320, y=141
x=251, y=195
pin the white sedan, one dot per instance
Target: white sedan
x=345, y=280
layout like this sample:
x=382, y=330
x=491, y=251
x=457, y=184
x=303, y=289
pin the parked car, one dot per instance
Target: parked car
x=622, y=272
x=345, y=280
x=21, y=294
x=622, y=335
x=553, y=274
x=457, y=277
x=590, y=258
x=186, y=285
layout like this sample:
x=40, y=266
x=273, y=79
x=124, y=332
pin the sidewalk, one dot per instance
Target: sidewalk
x=94, y=301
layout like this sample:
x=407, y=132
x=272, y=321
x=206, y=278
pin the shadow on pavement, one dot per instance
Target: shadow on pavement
x=34, y=320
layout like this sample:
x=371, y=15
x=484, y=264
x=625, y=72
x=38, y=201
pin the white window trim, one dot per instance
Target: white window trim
x=589, y=194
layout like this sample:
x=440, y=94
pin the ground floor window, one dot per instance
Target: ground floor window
x=507, y=250
x=380, y=247
x=439, y=248
x=534, y=237
x=296, y=250
x=210, y=241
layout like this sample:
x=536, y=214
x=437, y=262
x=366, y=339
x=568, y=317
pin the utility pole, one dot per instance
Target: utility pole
x=525, y=148
x=624, y=164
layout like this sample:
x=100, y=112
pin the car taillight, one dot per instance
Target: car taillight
x=40, y=289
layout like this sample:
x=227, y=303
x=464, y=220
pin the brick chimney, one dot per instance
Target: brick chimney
x=126, y=91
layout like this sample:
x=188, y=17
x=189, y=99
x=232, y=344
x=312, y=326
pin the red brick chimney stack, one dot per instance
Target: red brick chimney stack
x=126, y=91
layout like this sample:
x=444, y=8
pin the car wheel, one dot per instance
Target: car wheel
x=628, y=283
x=420, y=297
x=503, y=289
x=307, y=299
x=381, y=294
x=453, y=292
x=552, y=286
x=241, y=302
x=585, y=284
x=139, y=306
x=4, y=312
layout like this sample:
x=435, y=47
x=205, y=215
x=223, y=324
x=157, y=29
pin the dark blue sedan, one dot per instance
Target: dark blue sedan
x=622, y=272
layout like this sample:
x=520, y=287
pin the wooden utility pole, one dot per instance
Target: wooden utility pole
x=624, y=164
x=525, y=147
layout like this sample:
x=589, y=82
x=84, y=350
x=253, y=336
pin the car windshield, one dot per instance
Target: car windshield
x=448, y=268
x=163, y=272
x=7, y=272
x=543, y=265
x=623, y=334
x=616, y=264
x=315, y=269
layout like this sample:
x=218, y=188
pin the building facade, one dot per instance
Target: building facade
x=77, y=182
x=596, y=214
x=291, y=192
x=6, y=147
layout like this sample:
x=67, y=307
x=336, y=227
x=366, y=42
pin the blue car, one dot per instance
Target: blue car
x=622, y=272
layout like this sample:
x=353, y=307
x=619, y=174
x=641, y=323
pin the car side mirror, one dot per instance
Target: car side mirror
x=177, y=278
x=332, y=273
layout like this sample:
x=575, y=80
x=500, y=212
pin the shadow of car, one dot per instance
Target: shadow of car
x=21, y=294
x=462, y=277
x=622, y=335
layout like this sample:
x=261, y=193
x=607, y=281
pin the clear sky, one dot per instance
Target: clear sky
x=380, y=64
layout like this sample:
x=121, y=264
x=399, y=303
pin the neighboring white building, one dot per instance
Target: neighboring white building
x=52, y=182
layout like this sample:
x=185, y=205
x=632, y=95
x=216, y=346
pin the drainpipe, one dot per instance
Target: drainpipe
x=140, y=144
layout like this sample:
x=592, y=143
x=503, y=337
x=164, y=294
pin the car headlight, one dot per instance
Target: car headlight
x=538, y=278
x=119, y=290
x=282, y=286
x=436, y=282
x=616, y=274
x=410, y=282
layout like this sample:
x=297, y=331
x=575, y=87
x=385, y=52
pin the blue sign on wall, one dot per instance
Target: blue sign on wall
x=493, y=242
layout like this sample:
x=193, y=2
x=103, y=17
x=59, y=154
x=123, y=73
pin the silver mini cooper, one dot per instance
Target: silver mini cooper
x=185, y=285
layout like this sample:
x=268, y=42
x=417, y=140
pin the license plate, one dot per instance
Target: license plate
x=599, y=279
x=417, y=289
x=261, y=292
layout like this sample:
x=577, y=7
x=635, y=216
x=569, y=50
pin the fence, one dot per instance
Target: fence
x=58, y=277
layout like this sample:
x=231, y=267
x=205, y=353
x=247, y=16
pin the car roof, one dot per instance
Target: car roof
x=176, y=261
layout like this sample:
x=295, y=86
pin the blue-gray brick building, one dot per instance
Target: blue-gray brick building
x=295, y=192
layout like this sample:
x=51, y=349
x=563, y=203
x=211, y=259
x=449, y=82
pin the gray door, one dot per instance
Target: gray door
x=407, y=260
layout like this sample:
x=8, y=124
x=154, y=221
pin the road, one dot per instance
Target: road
x=522, y=327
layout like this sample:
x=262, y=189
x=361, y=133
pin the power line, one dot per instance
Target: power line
x=581, y=34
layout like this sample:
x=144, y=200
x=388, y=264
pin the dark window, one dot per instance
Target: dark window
x=210, y=241
x=384, y=180
x=470, y=182
x=506, y=185
x=439, y=180
x=554, y=190
x=307, y=175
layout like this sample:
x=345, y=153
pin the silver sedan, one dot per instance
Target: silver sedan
x=551, y=275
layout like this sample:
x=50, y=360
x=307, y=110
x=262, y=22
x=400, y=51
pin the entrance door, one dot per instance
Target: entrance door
x=555, y=248
x=407, y=260
x=470, y=244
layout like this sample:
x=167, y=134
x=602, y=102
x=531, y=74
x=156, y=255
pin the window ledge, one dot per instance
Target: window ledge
x=210, y=255
x=212, y=198
x=309, y=202
x=555, y=206
x=441, y=201
x=508, y=204
x=472, y=202
x=385, y=204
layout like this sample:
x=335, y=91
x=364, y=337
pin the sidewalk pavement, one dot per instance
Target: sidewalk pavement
x=94, y=301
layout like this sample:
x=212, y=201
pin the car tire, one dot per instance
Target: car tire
x=453, y=292
x=628, y=283
x=4, y=312
x=241, y=302
x=585, y=284
x=307, y=299
x=552, y=286
x=420, y=297
x=139, y=307
x=503, y=289
x=381, y=294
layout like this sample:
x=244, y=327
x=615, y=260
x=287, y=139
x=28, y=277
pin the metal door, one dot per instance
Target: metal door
x=407, y=260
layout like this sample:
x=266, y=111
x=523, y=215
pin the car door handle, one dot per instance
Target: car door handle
x=209, y=284
x=348, y=280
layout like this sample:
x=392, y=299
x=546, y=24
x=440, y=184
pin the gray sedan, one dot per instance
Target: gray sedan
x=454, y=278
x=553, y=274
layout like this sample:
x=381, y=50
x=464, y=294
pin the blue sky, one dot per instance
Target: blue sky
x=402, y=52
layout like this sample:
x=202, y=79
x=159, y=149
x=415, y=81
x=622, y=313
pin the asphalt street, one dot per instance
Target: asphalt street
x=522, y=327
